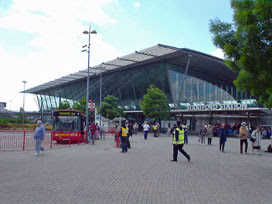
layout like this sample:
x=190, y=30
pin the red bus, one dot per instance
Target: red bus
x=68, y=126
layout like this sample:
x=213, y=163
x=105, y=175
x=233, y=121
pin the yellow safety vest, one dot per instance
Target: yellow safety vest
x=180, y=137
x=154, y=127
x=124, y=132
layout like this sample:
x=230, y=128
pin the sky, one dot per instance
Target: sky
x=41, y=40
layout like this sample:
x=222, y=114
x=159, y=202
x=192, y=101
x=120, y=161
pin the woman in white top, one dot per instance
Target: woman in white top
x=257, y=136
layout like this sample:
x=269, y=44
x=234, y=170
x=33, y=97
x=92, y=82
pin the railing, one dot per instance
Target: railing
x=22, y=140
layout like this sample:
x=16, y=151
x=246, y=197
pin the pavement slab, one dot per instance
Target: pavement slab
x=99, y=174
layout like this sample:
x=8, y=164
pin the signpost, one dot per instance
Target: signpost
x=91, y=106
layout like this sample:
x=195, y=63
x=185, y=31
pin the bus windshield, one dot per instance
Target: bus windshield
x=67, y=123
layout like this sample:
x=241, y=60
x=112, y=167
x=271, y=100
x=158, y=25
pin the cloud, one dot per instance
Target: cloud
x=218, y=53
x=136, y=4
x=58, y=25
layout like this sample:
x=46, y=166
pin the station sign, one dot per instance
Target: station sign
x=216, y=107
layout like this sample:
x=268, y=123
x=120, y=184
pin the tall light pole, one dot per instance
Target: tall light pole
x=100, y=97
x=88, y=83
x=24, y=106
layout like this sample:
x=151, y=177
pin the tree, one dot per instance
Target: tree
x=154, y=105
x=65, y=105
x=80, y=105
x=247, y=45
x=110, y=108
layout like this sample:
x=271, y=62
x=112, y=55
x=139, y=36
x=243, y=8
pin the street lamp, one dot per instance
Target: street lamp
x=24, y=106
x=100, y=100
x=87, y=94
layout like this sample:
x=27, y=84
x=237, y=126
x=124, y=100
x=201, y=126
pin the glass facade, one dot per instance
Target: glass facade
x=129, y=86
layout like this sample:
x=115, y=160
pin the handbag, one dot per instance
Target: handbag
x=252, y=139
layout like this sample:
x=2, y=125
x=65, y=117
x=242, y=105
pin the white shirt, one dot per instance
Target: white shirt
x=146, y=127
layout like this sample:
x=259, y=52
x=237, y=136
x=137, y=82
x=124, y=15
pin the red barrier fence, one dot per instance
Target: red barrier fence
x=21, y=140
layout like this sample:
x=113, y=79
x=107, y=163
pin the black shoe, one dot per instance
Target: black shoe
x=174, y=160
x=189, y=158
x=122, y=152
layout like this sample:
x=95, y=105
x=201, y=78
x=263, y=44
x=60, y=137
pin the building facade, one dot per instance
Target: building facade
x=199, y=87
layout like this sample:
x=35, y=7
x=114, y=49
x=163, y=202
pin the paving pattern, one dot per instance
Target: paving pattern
x=101, y=174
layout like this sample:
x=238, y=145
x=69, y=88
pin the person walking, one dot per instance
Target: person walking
x=124, y=136
x=146, y=129
x=178, y=143
x=102, y=131
x=130, y=130
x=93, y=129
x=256, y=137
x=243, y=131
x=135, y=128
x=185, y=127
x=97, y=131
x=155, y=129
x=158, y=129
x=203, y=134
x=222, y=134
x=39, y=136
x=210, y=134
x=169, y=130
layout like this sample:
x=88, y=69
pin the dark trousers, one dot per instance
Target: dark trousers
x=145, y=134
x=222, y=145
x=128, y=142
x=124, y=144
x=209, y=141
x=186, y=137
x=175, y=151
x=241, y=145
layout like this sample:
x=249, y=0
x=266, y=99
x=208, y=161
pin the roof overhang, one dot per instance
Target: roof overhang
x=199, y=62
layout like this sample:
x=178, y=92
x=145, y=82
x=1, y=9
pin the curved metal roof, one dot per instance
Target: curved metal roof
x=200, y=62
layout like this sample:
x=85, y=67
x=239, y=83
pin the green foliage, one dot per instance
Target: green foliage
x=110, y=108
x=248, y=46
x=154, y=105
x=65, y=105
x=80, y=105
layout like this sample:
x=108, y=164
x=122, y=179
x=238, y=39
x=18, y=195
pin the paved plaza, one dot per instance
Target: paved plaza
x=101, y=174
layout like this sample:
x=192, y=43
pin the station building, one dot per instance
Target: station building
x=199, y=87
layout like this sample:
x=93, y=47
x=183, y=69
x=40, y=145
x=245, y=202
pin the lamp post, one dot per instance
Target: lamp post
x=100, y=97
x=23, y=122
x=88, y=83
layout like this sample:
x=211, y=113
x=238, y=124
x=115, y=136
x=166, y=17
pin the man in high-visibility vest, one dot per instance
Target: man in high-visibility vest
x=124, y=137
x=155, y=129
x=178, y=142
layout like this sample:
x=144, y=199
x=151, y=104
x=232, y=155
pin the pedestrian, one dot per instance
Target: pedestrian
x=130, y=130
x=102, y=131
x=185, y=127
x=169, y=130
x=155, y=129
x=97, y=131
x=222, y=133
x=203, y=133
x=146, y=129
x=158, y=129
x=92, y=128
x=243, y=133
x=256, y=137
x=124, y=136
x=135, y=128
x=210, y=134
x=178, y=142
x=39, y=136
